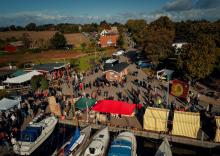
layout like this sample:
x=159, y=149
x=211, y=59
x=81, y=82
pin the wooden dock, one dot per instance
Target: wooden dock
x=148, y=134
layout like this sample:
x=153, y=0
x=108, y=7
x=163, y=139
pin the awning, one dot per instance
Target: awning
x=84, y=102
x=18, y=73
x=114, y=107
x=22, y=78
x=6, y=104
x=155, y=119
x=186, y=124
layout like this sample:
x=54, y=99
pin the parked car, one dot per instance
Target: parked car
x=118, y=53
x=144, y=65
x=142, y=61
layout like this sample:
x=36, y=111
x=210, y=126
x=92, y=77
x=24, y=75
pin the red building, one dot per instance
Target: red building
x=108, y=41
x=14, y=46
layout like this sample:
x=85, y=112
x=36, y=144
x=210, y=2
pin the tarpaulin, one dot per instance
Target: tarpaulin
x=53, y=106
x=217, y=135
x=155, y=119
x=114, y=107
x=179, y=88
x=186, y=124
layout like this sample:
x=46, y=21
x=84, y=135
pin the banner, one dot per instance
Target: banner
x=179, y=89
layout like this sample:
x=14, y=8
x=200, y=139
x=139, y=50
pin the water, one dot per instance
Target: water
x=145, y=147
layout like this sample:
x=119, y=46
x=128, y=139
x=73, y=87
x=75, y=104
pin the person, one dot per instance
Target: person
x=90, y=85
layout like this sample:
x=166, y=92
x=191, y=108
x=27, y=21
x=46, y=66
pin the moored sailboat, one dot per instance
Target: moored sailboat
x=164, y=149
x=99, y=143
x=74, y=146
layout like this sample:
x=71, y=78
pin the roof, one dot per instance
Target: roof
x=108, y=39
x=114, y=107
x=117, y=67
x=48, y=67
x=111, y=60
x=17, y=43
x=22, y=78
x=6, y=104
x=18, y=73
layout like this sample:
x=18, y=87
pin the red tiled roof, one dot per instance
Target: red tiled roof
x=108, y=40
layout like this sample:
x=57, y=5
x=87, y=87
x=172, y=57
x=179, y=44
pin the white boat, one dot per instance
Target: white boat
x=99, y=143
x=74, y=146
x=124, y=144
x=34, y=135
x=164, y=149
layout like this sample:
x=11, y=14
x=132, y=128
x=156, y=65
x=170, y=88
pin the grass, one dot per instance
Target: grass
x=84, y=63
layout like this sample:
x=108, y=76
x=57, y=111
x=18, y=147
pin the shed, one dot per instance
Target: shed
x=155, y=119
x=186, y=124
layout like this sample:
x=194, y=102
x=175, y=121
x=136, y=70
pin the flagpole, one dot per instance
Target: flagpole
x=168, y=87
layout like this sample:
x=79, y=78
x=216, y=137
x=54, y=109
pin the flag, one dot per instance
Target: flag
x=179, y=88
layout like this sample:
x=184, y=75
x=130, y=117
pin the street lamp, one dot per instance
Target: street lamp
x=87, y=117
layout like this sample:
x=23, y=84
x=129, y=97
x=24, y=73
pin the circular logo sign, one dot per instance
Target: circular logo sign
x=177, y=89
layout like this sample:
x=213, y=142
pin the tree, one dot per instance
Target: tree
x=83, y=46
x=39, y=81
x=31, y=27
x=104, y=25
x=26, y=40
x=58, y=41
x=120, y=41
x=163, y=23
x=198, y=58
x=44, y=84
x=35, y=82
x=157, y=45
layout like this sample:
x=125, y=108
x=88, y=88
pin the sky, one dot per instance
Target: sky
x=22, y=12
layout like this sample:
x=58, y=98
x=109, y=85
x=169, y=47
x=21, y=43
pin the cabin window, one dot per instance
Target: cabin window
x=92, y=150
x=101, y=136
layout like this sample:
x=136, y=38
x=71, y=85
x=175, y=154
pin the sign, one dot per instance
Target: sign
x=179, y=89
x=53, y=106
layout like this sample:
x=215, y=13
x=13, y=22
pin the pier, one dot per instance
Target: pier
x=149, y=134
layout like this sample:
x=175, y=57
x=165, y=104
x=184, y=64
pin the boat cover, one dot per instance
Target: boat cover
x=114, y=107
x=72, y=141
x=30, y=134
x=120, y=148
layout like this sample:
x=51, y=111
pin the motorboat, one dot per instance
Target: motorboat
x=34, y=135
x=124, y=144
x=74, y=146
x=164, y=149
x=99, y=143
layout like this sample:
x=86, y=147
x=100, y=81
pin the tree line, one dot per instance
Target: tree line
x=62, y=27
x=199, y=58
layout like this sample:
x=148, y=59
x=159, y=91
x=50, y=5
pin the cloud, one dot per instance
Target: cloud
x=176, y=10
x=205, y=4
x=178, y=5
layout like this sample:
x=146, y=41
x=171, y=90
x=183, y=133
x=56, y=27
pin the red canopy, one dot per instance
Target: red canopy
x=114, y=107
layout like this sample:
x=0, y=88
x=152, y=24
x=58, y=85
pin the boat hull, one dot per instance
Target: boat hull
x=26, y=148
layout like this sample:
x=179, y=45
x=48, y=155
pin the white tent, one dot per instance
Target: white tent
x=6, y=104
x=22, y=78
